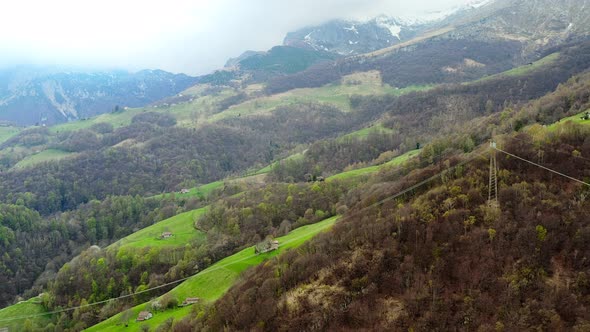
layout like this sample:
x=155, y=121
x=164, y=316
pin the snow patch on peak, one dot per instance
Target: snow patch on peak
x=425, y=18
x=479, y=3
x=429, y=17
x=389, y=24
x=395, y=30
x=353, y=29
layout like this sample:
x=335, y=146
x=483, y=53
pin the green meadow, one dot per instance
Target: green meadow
x=7, y=132
x=335, y=94
x=213, y=282
x=373, y=169
x=181, y=226
x=30, y=307
x=199, y=192
x=43, y=156
x=365, y=132
x=575, y=119
x=522, y=70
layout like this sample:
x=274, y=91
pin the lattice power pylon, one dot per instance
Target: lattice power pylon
x=493, y=186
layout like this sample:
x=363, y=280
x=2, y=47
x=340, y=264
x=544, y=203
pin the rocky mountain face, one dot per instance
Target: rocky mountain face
x=348, y=37
x=352, y=37
x=46, y=96
x=537, y=24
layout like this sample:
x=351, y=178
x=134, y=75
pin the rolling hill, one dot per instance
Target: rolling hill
x=141, y=208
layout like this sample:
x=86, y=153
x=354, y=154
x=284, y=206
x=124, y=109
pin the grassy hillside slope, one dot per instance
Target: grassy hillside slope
x=337, y=95
x=199, y=192
x=575, y=119
x=373, y=169
x=214, y=281
x=181, y=226
x=26, y=308
x=523, y=70
x=43, y=156
x=7, y=132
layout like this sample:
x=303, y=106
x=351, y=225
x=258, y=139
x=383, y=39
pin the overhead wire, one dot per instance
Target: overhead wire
x=549, y=148
x=432, y=178
x=543, y=167
x=214, y=268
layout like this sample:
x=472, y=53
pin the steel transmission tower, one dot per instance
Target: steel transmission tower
x=493, y=186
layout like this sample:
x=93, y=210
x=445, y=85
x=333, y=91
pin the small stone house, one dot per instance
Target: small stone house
x=144, y=315
x=166, y=235
x=190, y=300
x=184, y=191
x=274, y=245
x=266, y=246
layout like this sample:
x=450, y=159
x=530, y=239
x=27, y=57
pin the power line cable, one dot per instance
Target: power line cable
x=549, y=148
x=543, y=167
x=432, y=178
x=215, y=268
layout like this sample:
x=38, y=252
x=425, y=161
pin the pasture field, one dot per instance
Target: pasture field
x=7, y=132
x=30, y=307
x=336, y=94
x=574, y=118
x=181, y=226
x=199, y=192
x=43, y=156
x=213, y=282
x=373, y=169
x=522, y=70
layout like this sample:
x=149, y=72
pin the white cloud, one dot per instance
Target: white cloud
x=176, y=35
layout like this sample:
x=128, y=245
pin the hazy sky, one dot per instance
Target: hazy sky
x=194, y=37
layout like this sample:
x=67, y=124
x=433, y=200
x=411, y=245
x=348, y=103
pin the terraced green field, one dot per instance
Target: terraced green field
x=267, y=169
x=181, y=227
x=522, y=70
x=119, y=119
x=7, y=132
x=206, y=189
x=26, y=308
x=43, y=156
x=200, y=191
x=338, y=95
x=365, y=132
x=575, y=119
x=213, y=282
x=373, y=169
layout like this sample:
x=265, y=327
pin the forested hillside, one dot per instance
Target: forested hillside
x=298, y=189
x=440, y=258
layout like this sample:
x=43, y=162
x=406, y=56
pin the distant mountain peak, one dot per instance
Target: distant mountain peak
x=350, y=37
x=30, y=94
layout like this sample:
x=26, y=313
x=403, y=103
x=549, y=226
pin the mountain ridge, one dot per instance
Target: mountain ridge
x=45, y=95
x=354, y=37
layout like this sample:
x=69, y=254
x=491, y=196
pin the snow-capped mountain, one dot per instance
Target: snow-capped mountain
x=345, y=37
x=348, y=37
